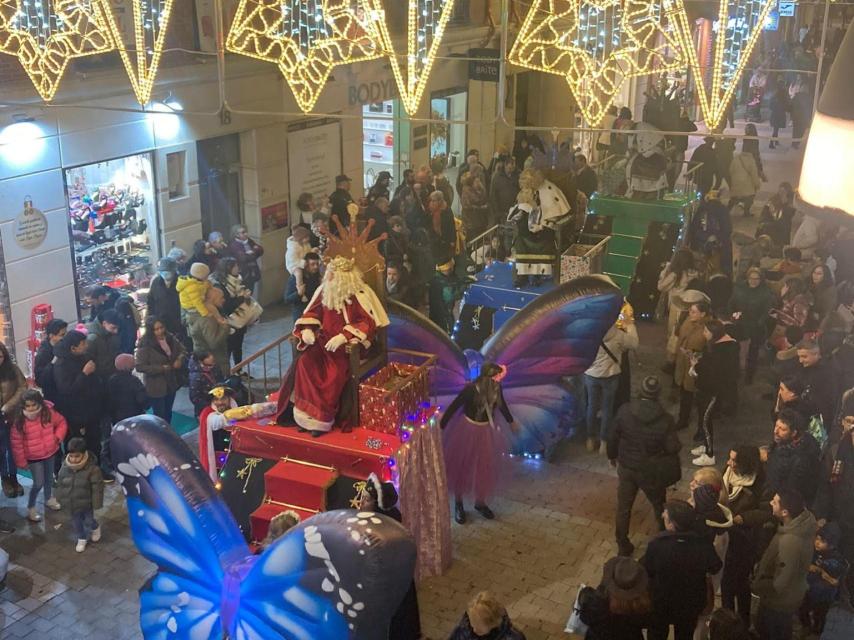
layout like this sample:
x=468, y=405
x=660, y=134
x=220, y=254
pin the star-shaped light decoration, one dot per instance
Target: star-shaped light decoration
x=596, y=44
x=45, y=35
x=141, y=55
x=743, y=22
x=426, y=22
x=305, y=38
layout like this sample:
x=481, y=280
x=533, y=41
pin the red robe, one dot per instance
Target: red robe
x=207, y=442
x=318, y=376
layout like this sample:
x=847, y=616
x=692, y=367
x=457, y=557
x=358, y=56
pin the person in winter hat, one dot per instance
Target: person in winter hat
x=826, y=575
x=193, y=289
x=618, y=609
x=485, y=617
x=81, y=489
x=38, y=430
x=126, y=394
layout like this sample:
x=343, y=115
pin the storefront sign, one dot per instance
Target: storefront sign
x=487, y=69
x=314, y=158
x=786, y=9
x=372, y=92
x=30, y=227
x=274, y=217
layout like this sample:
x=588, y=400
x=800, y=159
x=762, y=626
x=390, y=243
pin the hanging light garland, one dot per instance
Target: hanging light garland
x=595, y=45
x=736, y=32
x=426, y=22
x=141, y=57
x=45, y=35
x=305, y=38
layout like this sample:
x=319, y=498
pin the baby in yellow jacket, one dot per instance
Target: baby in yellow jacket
x=193, y=290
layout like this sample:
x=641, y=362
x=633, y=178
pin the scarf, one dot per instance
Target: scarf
x=735, y=482
x=31, y=415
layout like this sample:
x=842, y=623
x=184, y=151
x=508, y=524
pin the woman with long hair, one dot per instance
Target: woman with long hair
x=795, y=310
x=823, y=290
x=475, y=440
x=619, y=608
x=228, y=279
x=672, y=282
x=36, y=437
x=160, y=359
x=751, y=301
x=12, y=387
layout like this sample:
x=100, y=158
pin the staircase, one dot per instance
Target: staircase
x=292, y=484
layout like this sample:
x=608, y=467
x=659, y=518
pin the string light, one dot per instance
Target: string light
x=45, y=35
x=737, y=30
x=595, y=45
x=305, y=39
x=150, y=21
x=426, y=22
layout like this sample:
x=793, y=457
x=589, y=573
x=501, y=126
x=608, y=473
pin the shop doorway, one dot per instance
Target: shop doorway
x=112, y=218
x=219, y=184
x=380, y=142
x=446, y=139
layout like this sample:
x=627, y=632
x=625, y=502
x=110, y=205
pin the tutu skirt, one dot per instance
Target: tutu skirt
x=474, y=457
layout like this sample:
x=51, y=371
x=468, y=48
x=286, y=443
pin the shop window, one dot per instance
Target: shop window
x=176, y=164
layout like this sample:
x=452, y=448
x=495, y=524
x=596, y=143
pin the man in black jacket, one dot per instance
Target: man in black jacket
x=677, y=561
x=163, y=301
x=79, y=390
x=43, y=362
x=793, y=459
x=819, y=379
x=340, y=200
x=642, y=445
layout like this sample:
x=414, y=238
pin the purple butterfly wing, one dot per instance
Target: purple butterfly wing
x=556, y=335
x=412, y=330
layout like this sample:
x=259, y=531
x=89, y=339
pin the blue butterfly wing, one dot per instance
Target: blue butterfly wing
x=412, y=330
x=541, y=413
x=178, y=522
x=556, y=335
x=338, y=575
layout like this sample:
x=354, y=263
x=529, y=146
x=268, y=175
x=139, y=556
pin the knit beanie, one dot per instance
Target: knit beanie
x=200, y=271
x=124, y=362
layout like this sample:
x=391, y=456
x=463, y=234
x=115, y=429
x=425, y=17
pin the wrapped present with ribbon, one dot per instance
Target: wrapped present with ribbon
x=391, y=394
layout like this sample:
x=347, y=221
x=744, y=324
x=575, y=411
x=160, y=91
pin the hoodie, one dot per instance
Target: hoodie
x=642, y=430
x=780, y=579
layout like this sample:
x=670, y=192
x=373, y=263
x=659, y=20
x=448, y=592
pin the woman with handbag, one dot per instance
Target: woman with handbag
x=619, y=608
x=160, y=358
x=227, y=278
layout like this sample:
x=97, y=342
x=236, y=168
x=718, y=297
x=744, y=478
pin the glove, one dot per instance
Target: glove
x=307, y=336
x=335, y=342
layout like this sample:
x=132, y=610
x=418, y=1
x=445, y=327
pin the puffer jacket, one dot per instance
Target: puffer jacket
x=12, y=390
x=191, y=294
x=35, y=440
x=103, y=347
x=80, y=486
x=505, y=631
x=780, y=579
x=642, y=429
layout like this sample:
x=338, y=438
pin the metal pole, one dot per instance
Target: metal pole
x=817, y=91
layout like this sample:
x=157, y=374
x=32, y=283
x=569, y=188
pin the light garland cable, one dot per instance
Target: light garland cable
x=45, y=35
x=141, y=57
x=595, y=45
x=426, y=23
x=305, y=39
x=739, y=25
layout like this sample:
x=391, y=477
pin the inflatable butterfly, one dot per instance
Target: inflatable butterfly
x=556, y=335
x=339, y=575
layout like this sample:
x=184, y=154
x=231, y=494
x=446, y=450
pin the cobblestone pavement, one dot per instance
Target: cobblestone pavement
x=554, y=530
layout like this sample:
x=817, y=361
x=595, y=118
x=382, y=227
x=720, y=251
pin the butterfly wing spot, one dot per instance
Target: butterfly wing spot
x=345, y=596
x=327, y=585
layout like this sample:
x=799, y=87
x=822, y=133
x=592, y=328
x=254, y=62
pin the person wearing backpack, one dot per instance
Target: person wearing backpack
x=644, y=447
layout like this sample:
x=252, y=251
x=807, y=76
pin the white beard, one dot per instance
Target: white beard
x=336, y=293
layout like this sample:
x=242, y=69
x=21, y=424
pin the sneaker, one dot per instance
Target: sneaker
x=96, y=534
x=704, y=461
x=108, y=477
x=603, y=448
x=485, y=511
x=5, y=527
x=591, y=445
x=33, y=515
x=698, y=451
x=81, y=546
x=52, y=504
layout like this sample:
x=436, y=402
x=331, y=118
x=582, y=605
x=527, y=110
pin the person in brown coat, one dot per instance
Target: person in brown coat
x=691, y=341
x=160, y=358
x=12, y=387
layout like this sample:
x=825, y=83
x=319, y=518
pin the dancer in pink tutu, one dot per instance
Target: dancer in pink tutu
x=475, y=440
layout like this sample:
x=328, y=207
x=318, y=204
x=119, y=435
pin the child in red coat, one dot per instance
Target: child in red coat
x=36, y=436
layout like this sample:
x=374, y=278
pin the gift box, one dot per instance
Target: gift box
x=582, y=259
x=390, y=395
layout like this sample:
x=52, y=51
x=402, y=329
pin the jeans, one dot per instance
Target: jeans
x=7, y=461
x=774, y=625
x=629, y=482
x=42, y=472
x=83, y=523
x=162, y=407
x=607, y=389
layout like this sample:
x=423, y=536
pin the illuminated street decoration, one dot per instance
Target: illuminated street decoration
x=426, y=22
x=735, y=33
x=141, y=56
x=45, y=35
x=596, y=44
x=305, y=39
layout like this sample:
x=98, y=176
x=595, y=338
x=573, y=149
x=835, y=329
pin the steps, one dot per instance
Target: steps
x=292, y=484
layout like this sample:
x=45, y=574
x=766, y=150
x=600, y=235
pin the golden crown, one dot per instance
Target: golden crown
x=340, y=263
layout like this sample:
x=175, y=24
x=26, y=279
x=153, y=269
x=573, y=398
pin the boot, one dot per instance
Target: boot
x=459, y=513
x=485, y=511
x=9, y=488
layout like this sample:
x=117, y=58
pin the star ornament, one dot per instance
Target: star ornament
x=45, y=35
x=595, y=45
x=305, y=39
x=426, y=22
x=141, y=55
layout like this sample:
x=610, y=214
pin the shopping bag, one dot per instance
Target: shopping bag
x=574, y=624
x=245, y=314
